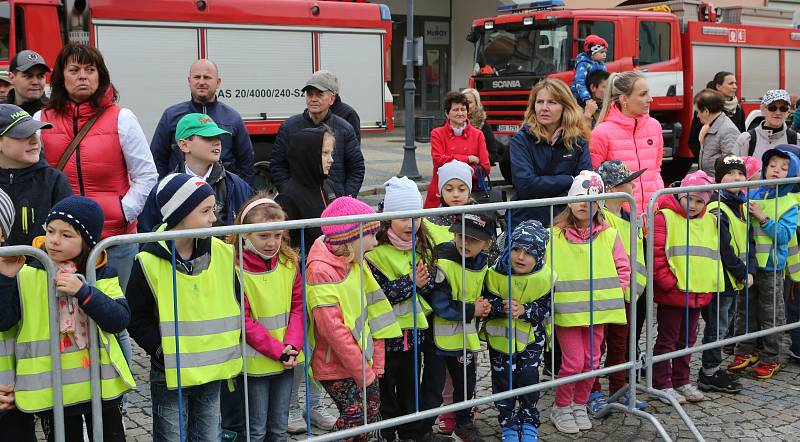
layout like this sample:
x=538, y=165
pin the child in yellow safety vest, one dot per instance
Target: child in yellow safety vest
x=185, y=314
x=593, y=272
x=685, y=257
x=403, y=243
x=350, y=315
x=773, y=221
x=274, y=331
x=524, y=310
x=72, y=228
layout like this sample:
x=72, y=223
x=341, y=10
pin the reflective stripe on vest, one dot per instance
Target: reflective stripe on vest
x=396, y=264
x=737, y=228
x=208, y=319
x=773, y=208
x=439, y=234
x=640, y=270
x=270, y=297
x=700, y=255
x=524, y=289
x=33, y=386
x=449, y=335
x=576, y=295
x=7, y=360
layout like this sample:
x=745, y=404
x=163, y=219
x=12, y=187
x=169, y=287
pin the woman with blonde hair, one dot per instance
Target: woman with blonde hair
x=628, y=133
x=477, y=118
x=551, y=148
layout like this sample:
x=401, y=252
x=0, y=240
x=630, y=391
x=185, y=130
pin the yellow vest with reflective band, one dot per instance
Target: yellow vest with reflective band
x=775, y=208
x=33, y=389
x=449, y=335
x=270, y=297
x=394, y=264
x=8, y=339
x=640, y=270
x=375, y=321
x=577, y=292
x=524, y=289
x=700, y=255
x=738, y=231
x=209, y=321
x=439, y=234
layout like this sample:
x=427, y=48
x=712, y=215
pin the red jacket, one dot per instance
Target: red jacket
x=446, y=147
x=665, y=289
x=97, y=168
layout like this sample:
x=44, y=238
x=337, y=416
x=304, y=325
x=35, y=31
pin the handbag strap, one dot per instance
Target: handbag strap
x=77, y=140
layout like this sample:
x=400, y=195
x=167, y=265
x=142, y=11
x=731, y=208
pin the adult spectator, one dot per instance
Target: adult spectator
x=596, y=83
x=26, y=75
x=237, y=149
x=458, y=140
x=718, y=134
x=5, y=85
x=773, y=130
x=725, y=83
x=627, y=132
x=347, y=172
x=477, y=117
x=550, y=149
x=339, y=107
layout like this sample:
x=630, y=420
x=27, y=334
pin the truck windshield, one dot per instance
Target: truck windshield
x=524, y=51
x=5, y=29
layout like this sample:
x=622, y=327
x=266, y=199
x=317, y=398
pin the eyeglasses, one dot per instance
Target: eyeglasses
x=773, y=108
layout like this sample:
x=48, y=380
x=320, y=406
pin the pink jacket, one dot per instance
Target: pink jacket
x=446, y=147
x=329, y=329
x=637, y=142
x=256, y=335
x=621, y=261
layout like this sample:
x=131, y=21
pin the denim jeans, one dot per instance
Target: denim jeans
x=201, y=416
x=269, y=406
x=120, y=258
x=314, y=399
x=713, y=358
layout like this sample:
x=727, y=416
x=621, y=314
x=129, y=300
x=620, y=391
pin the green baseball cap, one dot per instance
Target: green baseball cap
x=4, y=76
x=197, y=124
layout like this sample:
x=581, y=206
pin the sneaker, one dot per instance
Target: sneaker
x=510, y=434
x=563, y=420
x=297, y=424
x=674, y=394
x=765, y=370
x=728, y=349
x=794, y=356
x=447, y=423
x=547, y=374
x=581, y=417
x=529, y=433
x=468, y=433
x=719, y=381
x=691, y=393
x=640, y=405
x=740, y=362
x=597, y=401
x=322, y=418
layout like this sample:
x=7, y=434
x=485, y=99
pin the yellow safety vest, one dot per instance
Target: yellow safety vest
x=524, y=289
x=394, y=264
x=579, y=291
x=775, y=208
x=270, y=297
x=449, y=335
x=209, y=322
x=640, y=270
x=699, y=256
x=33, y=389
x=8, y=340
x=375, y=321
x=439, y=234
x=738, y=231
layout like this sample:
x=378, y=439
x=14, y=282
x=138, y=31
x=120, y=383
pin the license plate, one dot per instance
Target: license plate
x=508, y=128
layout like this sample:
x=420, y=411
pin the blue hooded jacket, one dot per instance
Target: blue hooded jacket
x=584, y=65
x=783, y=228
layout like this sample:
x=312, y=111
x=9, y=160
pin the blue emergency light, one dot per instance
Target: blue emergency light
x=542, y=4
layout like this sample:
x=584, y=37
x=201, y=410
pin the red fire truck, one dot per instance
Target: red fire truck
x=678, y=51
x=265, y=50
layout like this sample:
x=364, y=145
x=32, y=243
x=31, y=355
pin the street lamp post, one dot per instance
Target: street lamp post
x=409, y=166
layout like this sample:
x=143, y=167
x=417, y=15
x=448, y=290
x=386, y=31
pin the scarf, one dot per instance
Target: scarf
x=398, y=242
x=73, y=323
x=731, y=105
x=458, y=130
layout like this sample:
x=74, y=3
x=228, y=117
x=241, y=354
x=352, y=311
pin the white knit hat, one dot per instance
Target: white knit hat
x=587, y=183
x=6, y=214
x=455, y=170
x=401, y=194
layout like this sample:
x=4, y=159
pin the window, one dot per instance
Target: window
x=761, y=71
x=5, y=29
x=654, y=42
x=525, y=51
x=603, y=29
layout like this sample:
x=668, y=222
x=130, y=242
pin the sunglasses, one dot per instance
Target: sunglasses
x=774, y=107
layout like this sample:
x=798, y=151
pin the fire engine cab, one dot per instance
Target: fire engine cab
x=678, y=51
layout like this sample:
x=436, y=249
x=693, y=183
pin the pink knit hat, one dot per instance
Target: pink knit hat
x=753, y=167
x=344, y=233
x=698, y=178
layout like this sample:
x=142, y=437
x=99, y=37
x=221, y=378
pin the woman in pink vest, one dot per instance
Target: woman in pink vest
x=626, y=132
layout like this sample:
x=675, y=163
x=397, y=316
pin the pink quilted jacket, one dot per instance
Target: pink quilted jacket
x=636, y=141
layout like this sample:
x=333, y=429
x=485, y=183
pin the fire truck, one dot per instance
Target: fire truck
x=678, y=51
x=265, y=50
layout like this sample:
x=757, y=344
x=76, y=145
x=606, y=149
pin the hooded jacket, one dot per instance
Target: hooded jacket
x=237, y=149
x=308, y=191
x=34, y=190
x=730, y=261
x=636, y=141
x=665, y=289
x=584, y=65
x=332, y=336
x=349, y=114
x=446, y=146
x=783, y=228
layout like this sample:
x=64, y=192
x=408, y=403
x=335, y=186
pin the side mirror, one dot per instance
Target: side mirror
x=473, y=36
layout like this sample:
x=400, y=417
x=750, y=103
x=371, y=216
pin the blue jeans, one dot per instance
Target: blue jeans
x=120, y=258
x=269, y=406
x=201, y=417
x=315, y=398
x=713, y=358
